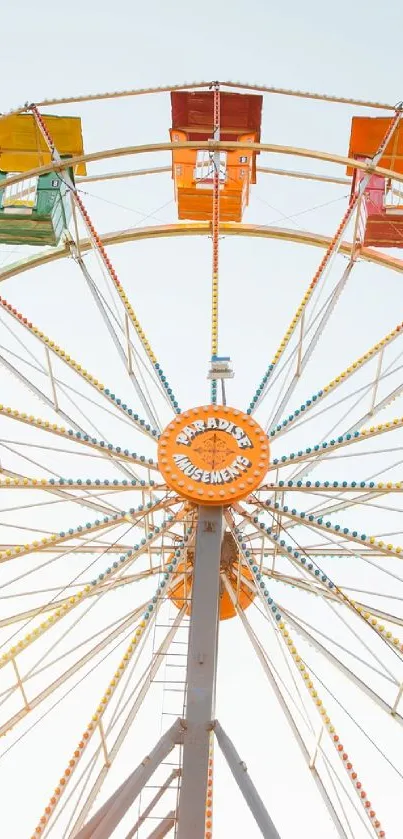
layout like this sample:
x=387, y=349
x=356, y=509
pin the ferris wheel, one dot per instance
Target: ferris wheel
x=220, y=550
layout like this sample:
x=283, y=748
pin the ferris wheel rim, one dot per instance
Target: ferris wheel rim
x=214, y=145
x=184, y=229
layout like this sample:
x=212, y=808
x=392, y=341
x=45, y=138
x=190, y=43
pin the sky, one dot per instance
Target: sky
x=88, y=48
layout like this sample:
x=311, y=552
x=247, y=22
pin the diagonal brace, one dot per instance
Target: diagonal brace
x=104, y=822
x=246, y=785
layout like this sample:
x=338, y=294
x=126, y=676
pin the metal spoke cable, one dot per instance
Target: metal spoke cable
x=326, y=579
x=50, y=346
x=126, y=358
x=263, y=614
x=304, y=356
x=320, y=456
x=58, y=701
x=339, y=646
x=328, y=258
x=48, y=562
x=117, y=570
x=293, y=216
x=37, y=672
x=313, y=415
x=114, y=316
x=290, y=353
x=107, y=731
x=356, y=723
x=335, y=777
x=98, y=246
x=65, y=587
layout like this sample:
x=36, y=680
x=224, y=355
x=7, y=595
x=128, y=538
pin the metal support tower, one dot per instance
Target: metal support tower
x=201, y=673
x=193, y=732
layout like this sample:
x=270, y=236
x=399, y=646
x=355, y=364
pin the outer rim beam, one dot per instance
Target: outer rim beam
x=214, y=145
x=201, y=228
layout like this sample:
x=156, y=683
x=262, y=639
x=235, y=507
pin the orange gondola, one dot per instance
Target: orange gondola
x=193, y=169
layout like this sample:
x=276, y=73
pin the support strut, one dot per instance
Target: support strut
x=201, y=674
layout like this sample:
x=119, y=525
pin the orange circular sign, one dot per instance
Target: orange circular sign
x=213, y=454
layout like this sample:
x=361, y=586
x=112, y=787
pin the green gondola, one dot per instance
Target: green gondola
x=35, y=212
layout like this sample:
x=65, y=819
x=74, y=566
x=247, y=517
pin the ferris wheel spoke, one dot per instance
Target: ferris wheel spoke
x=320, y=450
x=276, y=618
x=76, y=599
x=105, y=508
x=303, y=356
x=100, y=250
x=73, y=533
x=113, y=751
x=38, y=670
x=126, y=354
x=341, y=548
x=317, y=590
x=49, y=403
x=293, y=359
x=316, y=454
x=34, y=702
x=107, y=485
x=147, y=486
x=275, y=681
x=79, y=433
x=340, y=647
x=328, y=527
x=309, y=565
x=305, y=630
x=339, y=487
x=380, y=488
x=327, y=259
x=94, y=725
x=342, y=667
x=51, y=347
x=57, y=604
x=86, y=546
x=312, y=570
x=338, y=785
x=376, y=351
x=78, y=437
x=369, y=499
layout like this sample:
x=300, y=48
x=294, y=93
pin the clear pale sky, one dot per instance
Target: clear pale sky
x=50, y=50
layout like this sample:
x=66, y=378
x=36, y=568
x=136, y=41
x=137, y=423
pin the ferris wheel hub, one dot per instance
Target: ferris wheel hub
x=213, y=455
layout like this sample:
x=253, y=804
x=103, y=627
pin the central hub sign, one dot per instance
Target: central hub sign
x=213, y=454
